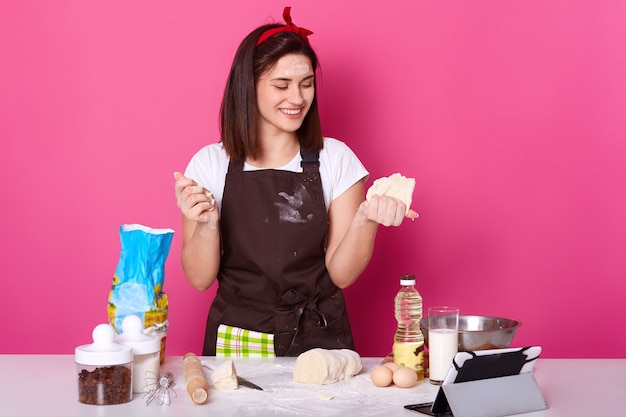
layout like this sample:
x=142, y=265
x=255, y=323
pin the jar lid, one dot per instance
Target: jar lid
x=133, y=336
x=103, y=350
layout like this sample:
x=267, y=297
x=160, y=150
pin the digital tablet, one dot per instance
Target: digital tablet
x=492, y=363
x=477, y=365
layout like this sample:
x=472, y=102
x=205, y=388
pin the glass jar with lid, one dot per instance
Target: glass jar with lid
x=146, y=352
x=104, y=369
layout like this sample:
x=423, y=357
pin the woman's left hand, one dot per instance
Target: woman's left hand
x=388, y=211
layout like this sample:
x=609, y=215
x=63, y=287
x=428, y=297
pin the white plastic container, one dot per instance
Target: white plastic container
x=146, y=352
x=104, y=369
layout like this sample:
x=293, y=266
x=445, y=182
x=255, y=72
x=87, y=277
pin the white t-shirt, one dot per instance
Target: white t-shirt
x=339, y=169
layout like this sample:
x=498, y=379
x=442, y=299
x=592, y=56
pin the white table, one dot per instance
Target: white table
x=46, y=385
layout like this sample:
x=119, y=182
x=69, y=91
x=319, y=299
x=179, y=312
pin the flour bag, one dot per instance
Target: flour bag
x=138, y=280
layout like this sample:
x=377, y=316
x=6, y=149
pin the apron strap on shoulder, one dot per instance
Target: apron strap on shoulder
x=309, y=158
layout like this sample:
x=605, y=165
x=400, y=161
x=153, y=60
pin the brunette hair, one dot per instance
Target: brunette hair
x=239, y=111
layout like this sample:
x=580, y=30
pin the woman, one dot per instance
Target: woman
x=275, y=211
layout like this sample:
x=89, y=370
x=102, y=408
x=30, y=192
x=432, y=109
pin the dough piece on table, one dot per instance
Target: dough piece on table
x=225, y=376
x=326, y=366
x=397, y=186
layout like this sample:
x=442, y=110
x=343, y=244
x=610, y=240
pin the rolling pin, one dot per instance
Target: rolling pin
x=197, y=385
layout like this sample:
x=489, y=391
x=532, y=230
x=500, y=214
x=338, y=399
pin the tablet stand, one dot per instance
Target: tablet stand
x=492, y=397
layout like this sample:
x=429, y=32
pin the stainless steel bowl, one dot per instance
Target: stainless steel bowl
x=481, y=332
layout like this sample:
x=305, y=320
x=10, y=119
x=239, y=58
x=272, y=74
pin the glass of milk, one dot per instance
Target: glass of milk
x=443, y=341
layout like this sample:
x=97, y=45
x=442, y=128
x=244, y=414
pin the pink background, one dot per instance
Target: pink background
x=509, y=114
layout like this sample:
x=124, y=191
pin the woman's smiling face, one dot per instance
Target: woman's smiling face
x=285, y=93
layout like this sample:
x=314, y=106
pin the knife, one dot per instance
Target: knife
x=246, y=383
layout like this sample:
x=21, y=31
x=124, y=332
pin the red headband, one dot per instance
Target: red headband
x=288, y=27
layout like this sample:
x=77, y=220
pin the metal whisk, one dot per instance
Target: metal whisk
x=160, y=389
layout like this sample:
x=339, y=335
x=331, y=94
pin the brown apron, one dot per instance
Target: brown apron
x=273, y=276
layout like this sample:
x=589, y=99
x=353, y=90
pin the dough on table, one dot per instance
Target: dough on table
x=225, y=376
x=397, y=186
x=326, y=366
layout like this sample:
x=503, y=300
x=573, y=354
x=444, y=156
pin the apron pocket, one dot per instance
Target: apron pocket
x=237, y=342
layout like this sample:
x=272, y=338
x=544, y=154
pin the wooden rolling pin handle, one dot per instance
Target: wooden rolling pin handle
x=197, y=384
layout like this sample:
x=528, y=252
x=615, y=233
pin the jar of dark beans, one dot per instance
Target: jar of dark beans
x=104, y=369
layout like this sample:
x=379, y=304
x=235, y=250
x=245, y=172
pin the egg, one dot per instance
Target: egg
x=391, y=365
x=404, y=377
x=382, y=376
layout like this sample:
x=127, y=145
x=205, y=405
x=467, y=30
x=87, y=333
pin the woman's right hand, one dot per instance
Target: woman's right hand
x=385, y=210
x=195, y=202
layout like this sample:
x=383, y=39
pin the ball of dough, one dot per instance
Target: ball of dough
x=225, y=376
x=326, y=366
x=397, y=186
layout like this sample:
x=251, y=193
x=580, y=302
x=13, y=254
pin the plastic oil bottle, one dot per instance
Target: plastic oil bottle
x=408, y=344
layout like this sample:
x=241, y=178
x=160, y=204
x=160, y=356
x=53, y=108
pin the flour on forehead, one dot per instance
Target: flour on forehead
x=297, y=68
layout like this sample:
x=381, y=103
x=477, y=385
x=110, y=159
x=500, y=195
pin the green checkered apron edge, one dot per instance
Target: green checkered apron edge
x=237, y=342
